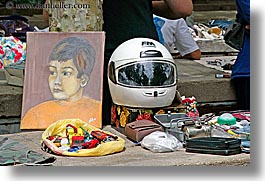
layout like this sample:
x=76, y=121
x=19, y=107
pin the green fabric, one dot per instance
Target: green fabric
x=15, y=153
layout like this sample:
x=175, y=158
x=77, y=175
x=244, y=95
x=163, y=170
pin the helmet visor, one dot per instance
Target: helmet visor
x=152, y=73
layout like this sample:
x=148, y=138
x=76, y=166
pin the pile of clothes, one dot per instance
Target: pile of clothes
x=12, y=51
x=215, y=29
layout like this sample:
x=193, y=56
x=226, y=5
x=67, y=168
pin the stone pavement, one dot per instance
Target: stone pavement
x=133, y=155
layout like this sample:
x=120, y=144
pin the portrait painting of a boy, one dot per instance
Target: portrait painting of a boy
x=63, y=78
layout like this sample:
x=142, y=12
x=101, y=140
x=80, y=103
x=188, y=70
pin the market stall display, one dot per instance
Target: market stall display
x=74, y=137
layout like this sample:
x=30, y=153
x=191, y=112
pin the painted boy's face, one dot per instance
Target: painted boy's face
x=63, y=81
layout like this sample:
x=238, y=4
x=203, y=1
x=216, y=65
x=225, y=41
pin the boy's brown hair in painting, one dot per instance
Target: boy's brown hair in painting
x=70, y=65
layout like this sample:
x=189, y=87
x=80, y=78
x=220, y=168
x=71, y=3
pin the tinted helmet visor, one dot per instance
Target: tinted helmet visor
x=151, y=73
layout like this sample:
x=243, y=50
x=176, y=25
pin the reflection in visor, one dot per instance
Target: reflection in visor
x=147, y=74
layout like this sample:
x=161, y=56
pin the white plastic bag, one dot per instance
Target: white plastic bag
x=160, y=141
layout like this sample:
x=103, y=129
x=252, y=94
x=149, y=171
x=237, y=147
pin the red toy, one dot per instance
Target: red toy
x=101, y=136
x=77, y=141
x=90, y=144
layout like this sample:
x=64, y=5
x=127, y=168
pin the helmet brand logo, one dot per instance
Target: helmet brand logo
x=148, y=44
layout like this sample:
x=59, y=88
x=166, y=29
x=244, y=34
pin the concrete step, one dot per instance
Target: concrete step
x=206, y=16
x=215, y=7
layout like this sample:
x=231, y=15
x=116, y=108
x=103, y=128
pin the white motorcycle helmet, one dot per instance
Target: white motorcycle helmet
x=142, y=74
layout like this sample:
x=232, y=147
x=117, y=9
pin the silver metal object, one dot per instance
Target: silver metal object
x=205, y=131
x=170, y=120
x=177, y=129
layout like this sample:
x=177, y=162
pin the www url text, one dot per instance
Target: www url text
x=61, y=5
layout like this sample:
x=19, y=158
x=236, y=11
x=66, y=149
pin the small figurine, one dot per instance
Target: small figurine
x=191, y=104
x=192, y=111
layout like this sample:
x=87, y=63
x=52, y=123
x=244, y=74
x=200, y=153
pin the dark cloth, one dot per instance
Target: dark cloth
x=123, y=20
x=242, y=88
x=128, y=19
x=241, y=69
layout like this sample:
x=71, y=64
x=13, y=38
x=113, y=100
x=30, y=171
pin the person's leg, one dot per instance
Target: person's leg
x=184, y=41
x=242, y=88
x=168, y=30
x=195, y=55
